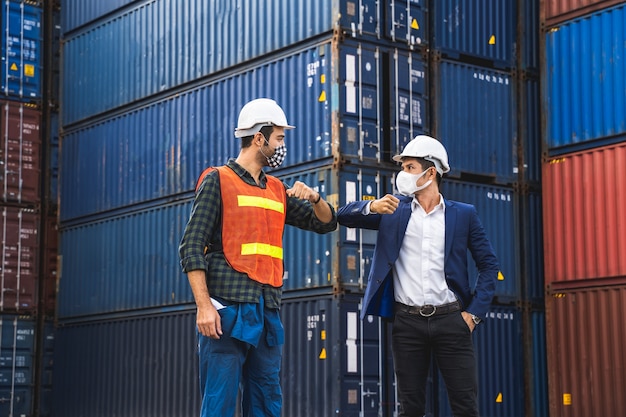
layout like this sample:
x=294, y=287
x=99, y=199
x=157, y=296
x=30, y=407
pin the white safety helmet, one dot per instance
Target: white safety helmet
x=431, y=149
x=258, y=113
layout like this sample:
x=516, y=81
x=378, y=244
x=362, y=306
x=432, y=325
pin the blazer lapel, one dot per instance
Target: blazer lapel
x=450, y=221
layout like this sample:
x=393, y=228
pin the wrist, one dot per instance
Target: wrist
x=319, y=198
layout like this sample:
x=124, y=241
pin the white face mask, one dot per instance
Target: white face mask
x=407, y=183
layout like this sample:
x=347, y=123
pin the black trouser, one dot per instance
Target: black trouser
x=449, y=338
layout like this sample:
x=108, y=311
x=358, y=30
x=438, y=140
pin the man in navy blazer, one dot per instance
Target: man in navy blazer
x=419, y=277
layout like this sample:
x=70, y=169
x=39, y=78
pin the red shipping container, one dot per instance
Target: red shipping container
x=20, y=153
x=557, y=11
x=20, y=260
x=586, y=335
x=584, y=227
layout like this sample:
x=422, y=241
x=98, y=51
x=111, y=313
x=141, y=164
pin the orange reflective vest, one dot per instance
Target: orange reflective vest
x=253, y=221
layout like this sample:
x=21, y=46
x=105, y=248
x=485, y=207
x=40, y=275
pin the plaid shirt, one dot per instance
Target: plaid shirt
x=204, y=230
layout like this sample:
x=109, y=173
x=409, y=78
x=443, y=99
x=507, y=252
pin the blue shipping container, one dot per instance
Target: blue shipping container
x=498, y=210
x=127, y=57
x=145, y=365
x=585, y=81
x=498, y=346
x=340, y=259
x=333, y=95
x=17, y=364
x=129, y=261
x=485, y=29
x=335, y=364
x=407, y=21
x=479, y=126
x=21, y=50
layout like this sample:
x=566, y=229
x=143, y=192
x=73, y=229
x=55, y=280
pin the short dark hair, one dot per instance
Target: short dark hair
x=425, y=164
x=266, y=131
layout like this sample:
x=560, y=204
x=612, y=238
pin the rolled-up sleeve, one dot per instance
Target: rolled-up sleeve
x=202, y=224
x=300, y=214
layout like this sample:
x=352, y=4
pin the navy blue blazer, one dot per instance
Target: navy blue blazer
x=463, y=231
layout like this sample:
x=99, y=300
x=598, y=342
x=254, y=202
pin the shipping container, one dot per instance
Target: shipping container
x=132, y=260
x=485, y=29
x=125, y=57
x=509, y=218
x=19, y=271
x=340, y=259
x=130, y=366
x=22, y=50
x=584, y=232
x=585, y=82
x=479, y=126
x=585, y=345
x=17, y=359
x=498, y=346
x=76, y=13
x=557, y=11
x=333, y=362
x=406, y=21
x=333, y=96
x=20, y=147
x=125, y=262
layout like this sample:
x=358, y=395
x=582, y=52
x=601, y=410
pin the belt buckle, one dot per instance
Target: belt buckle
x=425, y=311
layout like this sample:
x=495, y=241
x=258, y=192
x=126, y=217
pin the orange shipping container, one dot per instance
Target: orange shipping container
x=584, y=228
x=586, y=335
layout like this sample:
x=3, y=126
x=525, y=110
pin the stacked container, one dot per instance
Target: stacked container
x=584, y=190
x=151, y=91
x=485, y=94
x=26, y=222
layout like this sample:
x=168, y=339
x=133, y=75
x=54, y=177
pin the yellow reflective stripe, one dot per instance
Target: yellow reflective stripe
x=262, y=249
x=261, y=202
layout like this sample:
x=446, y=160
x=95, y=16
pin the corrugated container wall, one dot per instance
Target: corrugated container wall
x=585, y=83
x=17, y=365
x=21, y=50
x=76, y=13
x=586, y=356
x=485, y=29
x=131, y=261
x=584, y=234
x=20, y=148
x=498, y=346
x=340, y=259
x=129, y=56
x=333, y=362
x=500, y=209
x=557, y=11
x=478, y=127
x=145, y=365
x=333, y=96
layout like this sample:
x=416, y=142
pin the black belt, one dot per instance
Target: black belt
x=429, y=310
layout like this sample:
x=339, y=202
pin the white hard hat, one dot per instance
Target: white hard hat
x=431, y=149
x=258, y=113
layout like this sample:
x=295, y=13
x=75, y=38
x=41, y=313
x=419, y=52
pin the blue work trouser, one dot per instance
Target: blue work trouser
x=449, y=339
x=228, y=364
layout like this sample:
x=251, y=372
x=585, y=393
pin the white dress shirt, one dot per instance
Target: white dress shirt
x=418, y=273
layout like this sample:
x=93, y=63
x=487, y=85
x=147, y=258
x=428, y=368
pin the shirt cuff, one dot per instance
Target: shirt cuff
x=366, y=210
x=192, y=263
